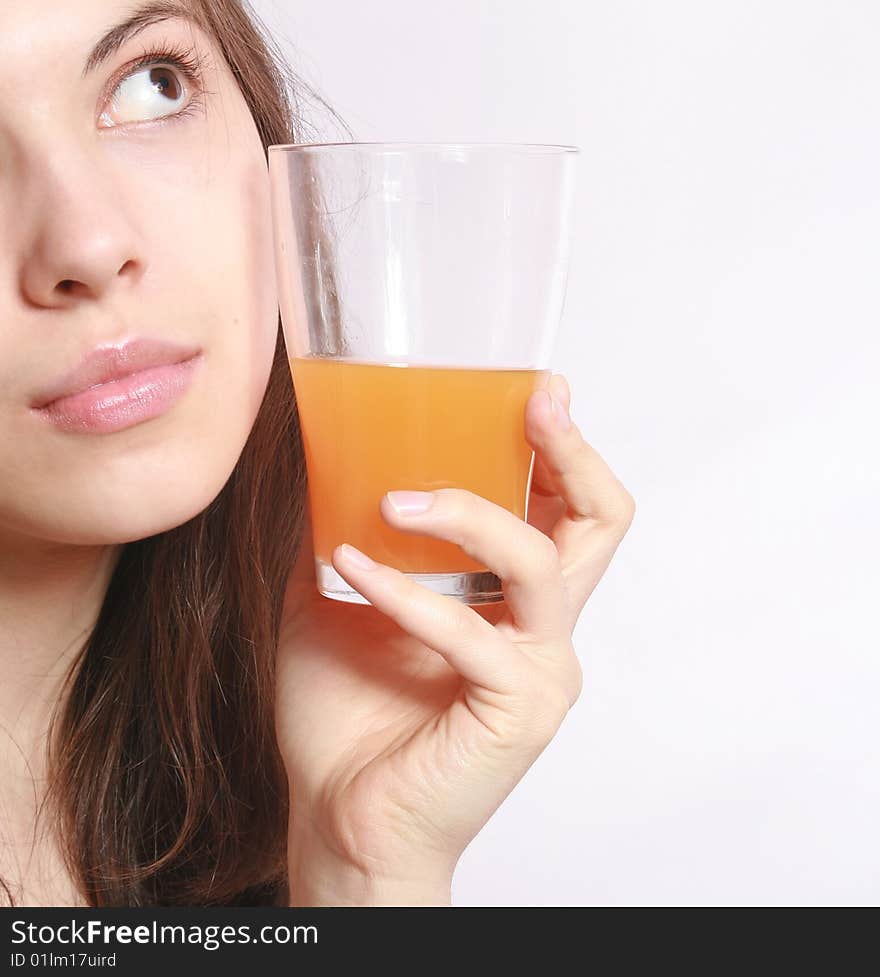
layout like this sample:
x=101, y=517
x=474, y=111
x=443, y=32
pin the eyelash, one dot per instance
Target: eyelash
x=184, y=60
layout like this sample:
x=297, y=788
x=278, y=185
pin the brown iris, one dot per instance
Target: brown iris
x=166, y=82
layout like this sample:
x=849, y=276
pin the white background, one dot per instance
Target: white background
x=720, y=336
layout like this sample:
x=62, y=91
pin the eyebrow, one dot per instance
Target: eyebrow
x=143, y=17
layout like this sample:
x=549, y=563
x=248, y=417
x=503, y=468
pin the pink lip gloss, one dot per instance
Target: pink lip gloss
x=122, y=403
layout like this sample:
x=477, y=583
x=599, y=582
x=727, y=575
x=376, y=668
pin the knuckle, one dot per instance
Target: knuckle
x=546, y=560
x=456, y=500
x=543, y=709
x=621, y=511
x=458, y=513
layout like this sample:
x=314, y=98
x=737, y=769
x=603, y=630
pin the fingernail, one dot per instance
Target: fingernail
x=354, y=556
x=560, y=414
x=410, y=503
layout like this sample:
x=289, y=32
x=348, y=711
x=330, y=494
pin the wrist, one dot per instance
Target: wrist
x=319, y=877
x=320, y=889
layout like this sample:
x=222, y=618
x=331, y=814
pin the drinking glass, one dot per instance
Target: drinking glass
x=421, y=287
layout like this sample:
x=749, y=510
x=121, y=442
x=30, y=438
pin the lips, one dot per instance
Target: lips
x=111, y=362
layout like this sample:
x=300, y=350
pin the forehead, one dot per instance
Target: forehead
x=97, y=27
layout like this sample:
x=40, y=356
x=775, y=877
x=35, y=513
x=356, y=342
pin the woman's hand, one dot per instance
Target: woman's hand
x=404, y=725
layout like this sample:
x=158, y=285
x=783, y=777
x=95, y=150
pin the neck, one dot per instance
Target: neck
x=50, y=598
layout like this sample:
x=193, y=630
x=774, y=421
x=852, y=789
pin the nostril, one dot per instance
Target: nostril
x=66, y=285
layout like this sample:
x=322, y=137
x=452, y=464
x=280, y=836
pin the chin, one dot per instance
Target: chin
x=111, y=517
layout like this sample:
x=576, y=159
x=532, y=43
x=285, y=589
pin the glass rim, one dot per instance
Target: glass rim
x=398, y=146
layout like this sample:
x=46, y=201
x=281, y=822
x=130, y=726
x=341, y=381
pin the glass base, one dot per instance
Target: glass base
x=472, y=587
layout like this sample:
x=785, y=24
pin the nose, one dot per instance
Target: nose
x=81, y=241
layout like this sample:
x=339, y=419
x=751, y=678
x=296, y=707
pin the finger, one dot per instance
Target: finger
x=574, y=470
x=560, y=389
x=544, y=511
x=522, y=556
x=594, y=497
x=541, y=483
x=469, y=644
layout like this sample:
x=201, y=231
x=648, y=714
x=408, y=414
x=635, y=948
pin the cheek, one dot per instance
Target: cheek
x=221, y=268
x=245, y=297
x=259, y=280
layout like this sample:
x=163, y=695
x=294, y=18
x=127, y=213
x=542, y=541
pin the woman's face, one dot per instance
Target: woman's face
x=133, y=203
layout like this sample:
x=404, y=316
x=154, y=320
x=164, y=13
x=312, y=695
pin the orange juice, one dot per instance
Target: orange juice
x=371, y=427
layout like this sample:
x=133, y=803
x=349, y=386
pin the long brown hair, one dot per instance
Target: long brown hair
x=165, y=777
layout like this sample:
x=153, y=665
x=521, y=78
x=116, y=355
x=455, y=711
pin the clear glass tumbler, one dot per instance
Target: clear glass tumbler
x=421, y=288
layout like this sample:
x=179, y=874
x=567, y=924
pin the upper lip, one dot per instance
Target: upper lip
x=112, y=361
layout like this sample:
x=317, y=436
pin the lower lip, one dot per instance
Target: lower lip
x=122, y=403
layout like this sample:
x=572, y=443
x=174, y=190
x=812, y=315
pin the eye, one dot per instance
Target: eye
x=159, y=85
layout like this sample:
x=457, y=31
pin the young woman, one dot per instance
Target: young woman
x=185, y=719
